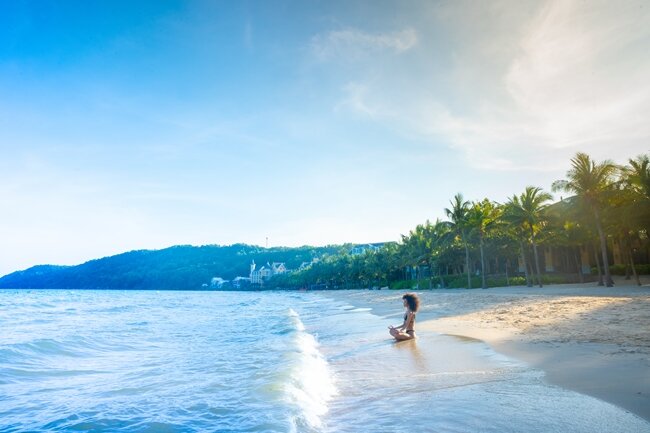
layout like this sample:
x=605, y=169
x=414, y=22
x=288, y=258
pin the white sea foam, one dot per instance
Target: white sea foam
x=311, y=384
x=360, y=310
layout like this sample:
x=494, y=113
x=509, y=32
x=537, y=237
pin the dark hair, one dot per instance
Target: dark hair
x=413, y=301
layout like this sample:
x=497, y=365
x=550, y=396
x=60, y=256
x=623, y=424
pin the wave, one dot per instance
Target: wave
x=311, y=383
x=45, y=349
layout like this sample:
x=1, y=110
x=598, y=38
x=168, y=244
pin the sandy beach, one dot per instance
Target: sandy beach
x=593, y=340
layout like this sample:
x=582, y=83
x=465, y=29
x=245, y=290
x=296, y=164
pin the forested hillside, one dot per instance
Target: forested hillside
x=175, y=268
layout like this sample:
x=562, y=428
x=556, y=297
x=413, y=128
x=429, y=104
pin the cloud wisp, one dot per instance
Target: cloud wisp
x=574, y=79
x=354, y=43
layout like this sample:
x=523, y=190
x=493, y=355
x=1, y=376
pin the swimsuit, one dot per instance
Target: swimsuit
x=409, y=331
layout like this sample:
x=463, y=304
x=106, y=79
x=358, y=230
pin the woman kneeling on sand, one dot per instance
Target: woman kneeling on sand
x=407, y=330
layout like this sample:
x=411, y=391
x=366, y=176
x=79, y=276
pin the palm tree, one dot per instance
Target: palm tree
x=505, y=240
x=633, y=207
x=438, y=238
x=591, y=182
x=564, y=230
x=425, y=245
x=638, y=175
x=526, y=211
x=417, y=248
x=511, y=216
x=458, y=215
x=636, y=182
x=481, y=219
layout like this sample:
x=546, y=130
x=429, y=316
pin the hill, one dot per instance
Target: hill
x=174, y=268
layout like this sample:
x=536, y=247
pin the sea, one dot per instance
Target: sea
x=177, y=361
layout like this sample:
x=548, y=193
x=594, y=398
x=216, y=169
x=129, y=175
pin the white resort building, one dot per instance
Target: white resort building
x=265, y=273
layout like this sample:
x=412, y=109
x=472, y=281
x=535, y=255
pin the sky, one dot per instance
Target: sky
x=141, y=125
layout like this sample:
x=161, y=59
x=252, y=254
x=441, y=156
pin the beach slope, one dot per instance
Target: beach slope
x=593, y=340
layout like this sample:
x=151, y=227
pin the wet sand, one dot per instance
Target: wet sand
x=593, y=340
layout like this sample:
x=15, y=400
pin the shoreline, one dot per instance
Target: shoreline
x=589, y=339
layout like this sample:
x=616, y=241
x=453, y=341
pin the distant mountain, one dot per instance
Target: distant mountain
x=175, y=268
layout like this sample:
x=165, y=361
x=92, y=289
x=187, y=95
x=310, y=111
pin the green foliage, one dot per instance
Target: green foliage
x=346, y=271
x=460, y=282
x=621, y=269
x=404, y=285
x=501, y=281
x=456, y=282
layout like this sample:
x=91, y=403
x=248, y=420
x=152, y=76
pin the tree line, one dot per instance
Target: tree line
x=182, y=267
x=485, y=243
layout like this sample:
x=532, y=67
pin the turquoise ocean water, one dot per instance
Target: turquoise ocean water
x=116, y=361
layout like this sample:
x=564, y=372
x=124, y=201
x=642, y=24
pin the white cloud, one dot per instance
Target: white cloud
x=578, y=76
x=356, y=100
x=354, y=43
x=575, y=78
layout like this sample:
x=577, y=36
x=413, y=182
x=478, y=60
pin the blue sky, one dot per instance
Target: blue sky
x=137, y=125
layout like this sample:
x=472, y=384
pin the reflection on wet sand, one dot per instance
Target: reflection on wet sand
x=417, y=356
